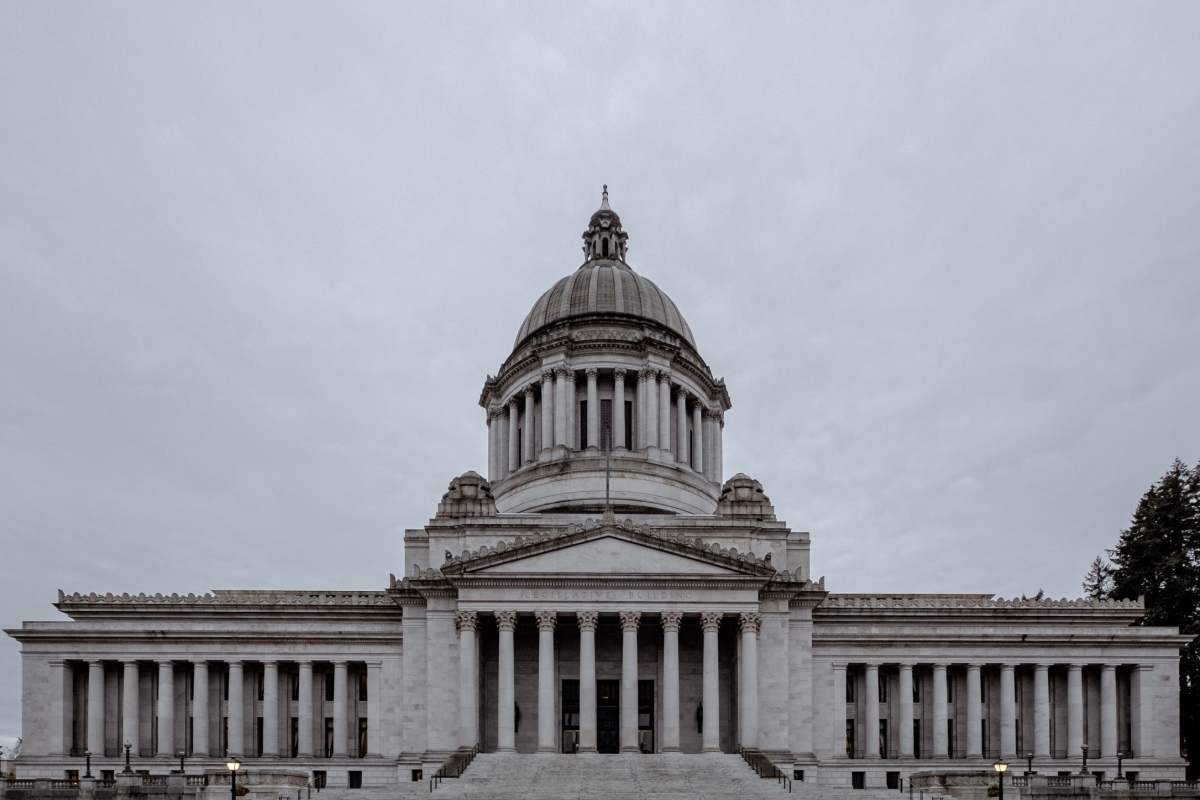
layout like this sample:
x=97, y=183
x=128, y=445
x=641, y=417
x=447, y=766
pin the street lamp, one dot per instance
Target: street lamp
x=1029, y=760
x=1000, y=768
x=233, y=764
x=127, y=770
x=87, y=773
x=181, y=755
x=1084, y=771
x=1120, y=758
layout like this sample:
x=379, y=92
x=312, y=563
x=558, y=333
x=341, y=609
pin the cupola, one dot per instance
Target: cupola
x=604, y=238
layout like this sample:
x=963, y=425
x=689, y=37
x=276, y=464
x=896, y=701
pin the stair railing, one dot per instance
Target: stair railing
x=454, y=766
x=764, y=767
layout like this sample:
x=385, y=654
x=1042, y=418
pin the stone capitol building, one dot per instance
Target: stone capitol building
x=606, y=589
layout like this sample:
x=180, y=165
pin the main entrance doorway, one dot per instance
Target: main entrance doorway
x=608, y=716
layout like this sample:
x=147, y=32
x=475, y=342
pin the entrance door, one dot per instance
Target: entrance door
x=608, y=716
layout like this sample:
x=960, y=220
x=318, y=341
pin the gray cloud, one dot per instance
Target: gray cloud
x=255, y=262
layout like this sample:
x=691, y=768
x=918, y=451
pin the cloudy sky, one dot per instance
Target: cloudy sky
x=257, y=260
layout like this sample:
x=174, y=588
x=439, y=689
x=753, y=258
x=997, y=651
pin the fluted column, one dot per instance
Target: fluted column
x=237, y=709
x=710, y=622
x=502, y=440
x=905, y=704
x=95, y=708
x=547, y=414
x=650, y=409
x=493, y=472
x=593, y=410
x=629, y=681
x=130, y=729
x=681, y=421
x=560, y=407
x=199, y=709
x=339, y=710
x=750, y=622
x=514, y=434
x=1041, y=711
x=1108, y=711
x=974, y=724
x=671, y=621
x=547, y=726
x=166, y=710
x=719, y=447
x=664, y=414
x=619, y=421
x=304, y=713
x=871, y=709
x=1008, y=711
x=940, y=738
x=698, y=436
x=1075, y=711
x=572, y=412
x=528, y=457
x=506, y=738
x=587, y=680
x=374, y=668
x=839, y=710
x=270, y=709
x=467, y=622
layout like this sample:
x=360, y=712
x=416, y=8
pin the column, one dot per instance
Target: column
x=95, y=709
x=1075, y=711
x=528, y=456
x=940, y=737
x=593, y=412
x=560, y=407
x=905, y=704
x=839, y=710
x=664, y=414
x=339, y=710
x=750, y=623
x=502, y=440
x=514, y=434
x=619, y=420
x=237, y=708
x=710, y=622
x=719, y=448
x=871, y=709
x=199, y=709
x=587, y=680
x=166, y=710
x=1008, y=711
x=709, y=446
x=650, y=415
x=1041, y=711
x=698, y=436
x=629, y=679
x=270, y=709
x=547, y=724
x=374, y=689
x=467, y=622
x=493, y=473
x=506, y=737
x=572, y=413
x=304, y=714
x=681, y=421
x=130, y=731
x=974, y=724
x=1108, y=711
x=547, y=414
x=671, y=621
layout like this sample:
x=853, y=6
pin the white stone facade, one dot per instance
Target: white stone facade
x=603, y=590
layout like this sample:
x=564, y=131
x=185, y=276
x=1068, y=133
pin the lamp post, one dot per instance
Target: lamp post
x=1120, y=758
x=233, y=764
x=181, y=755
x=1029, y=761
x=1000, y=768
x=87, y=772
x=1084, y=771
x=127, y=770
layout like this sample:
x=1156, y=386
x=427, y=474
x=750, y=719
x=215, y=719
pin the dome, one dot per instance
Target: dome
x=604, y=286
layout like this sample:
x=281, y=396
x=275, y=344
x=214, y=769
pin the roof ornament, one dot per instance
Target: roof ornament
x=604, y=237
x=604, y=199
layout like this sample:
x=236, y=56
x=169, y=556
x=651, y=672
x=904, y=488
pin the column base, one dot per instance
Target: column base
x=546, y=750
x=670, y=750
x=506, y=749
x=588, y=751
x=634, y=750
x=716, y=750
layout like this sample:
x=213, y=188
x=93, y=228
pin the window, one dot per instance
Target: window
x=258, y=736
x=1020, y=744
x=883, y=738
x=983, y=687
x=583, y=431
x=1131, y=775
x=111, y=775
x=294, y=737
x=261, y=679
x=883, y=689
x=329, y=737
x=916, y=738
x=950, y=736
x=189, y=745
x=355, y=779
x=224, y=736
x=798, y=775
x=362, y=737
x=983, y=736
x=319, y=779
x=73, y=776
x=949, y=689
x=418, y=775
x=893, y=780
x=295, y=679
x=916, y=683
x=628, y=424
x=849, y=738
x=850, y=681
x=858, y=780
x=362, y=687
x=225, y=684
x=329, y=687
x=606, y=424
x=570, y=716
x=646, y=716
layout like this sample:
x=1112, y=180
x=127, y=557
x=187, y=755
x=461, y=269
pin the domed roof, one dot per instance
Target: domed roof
x=605, y=286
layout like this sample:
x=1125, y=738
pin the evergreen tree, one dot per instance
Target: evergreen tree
x=1098, y=582
x=1158, y=557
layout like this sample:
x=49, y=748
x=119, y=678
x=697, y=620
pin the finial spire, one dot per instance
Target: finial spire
x=604, y=200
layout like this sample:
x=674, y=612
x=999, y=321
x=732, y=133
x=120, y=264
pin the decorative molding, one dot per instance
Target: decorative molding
x=546, y=620
x=710, y=621
x=630, y=621
x=749, y=620
x=671, y=620
x=587, y=620
x=973, y=601
x=591, y=373
x=619, y=374
x=230, y=597
x=466, y=621
x=506, y=620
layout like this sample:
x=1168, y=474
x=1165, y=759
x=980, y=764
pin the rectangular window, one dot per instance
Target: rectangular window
x=606, y=424
x=319, y=779
x=883, y=689
x=1020, y=744
x=950, y=737
x=628, y=424
x=224, y=736
x=949, y=689
x=583, y=431
x=798, y=775
x=418, y=775
x=295, y=679
x=850, y=681
x=294, y=737
x=983, y=687
x=916, y=681
x=329, y=737
x=362, y=687
x=983, y=737
x=225, y=684
x=916, y=738
x=355, y=779
x=111, y=775
x=329, y=687
x=190, y=746
x=883, y=738
x=362, y=737
x=73, y=776
x=849, y=738
x=858, y=780
x=893, y=780
x=260, y=678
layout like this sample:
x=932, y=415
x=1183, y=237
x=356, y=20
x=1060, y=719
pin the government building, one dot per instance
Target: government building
x=607, y=589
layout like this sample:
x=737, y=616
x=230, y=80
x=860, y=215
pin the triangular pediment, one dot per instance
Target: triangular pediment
x=607, y=547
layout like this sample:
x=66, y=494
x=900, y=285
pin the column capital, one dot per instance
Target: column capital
x=619, y=373
x=546, y=620
x=233, y=663
x=305, y=663
x=465, y=620
x=133, y=662
x=1006, y=667
x=974, y=666
x=671, y=620
x=506, y=620
x=270, y=662
x=343, y=664
x=711, y=620
x=630, y=620
x=1108, y=667
x=1075, y=667
x=587, y=620
x=529, y=390
x=502, y=412
x=644, y=374
x=664, y=376
x=565, y=372
x=709, y=414
x=547, y=374
x=749, y=621
x=591, y=373
x=513, y=402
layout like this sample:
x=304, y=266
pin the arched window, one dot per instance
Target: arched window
x=606, y=248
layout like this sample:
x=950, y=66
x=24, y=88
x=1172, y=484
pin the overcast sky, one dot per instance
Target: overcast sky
x=256, y=261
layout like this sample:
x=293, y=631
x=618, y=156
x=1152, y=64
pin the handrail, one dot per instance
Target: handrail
x=764, y=767
x=454, y=766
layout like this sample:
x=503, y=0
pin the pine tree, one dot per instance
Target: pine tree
x=1158, y=557
x=1098, y=582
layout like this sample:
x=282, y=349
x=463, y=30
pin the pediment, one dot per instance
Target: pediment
x=607, y=546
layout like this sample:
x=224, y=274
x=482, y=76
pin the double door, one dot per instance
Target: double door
x=608, y=716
